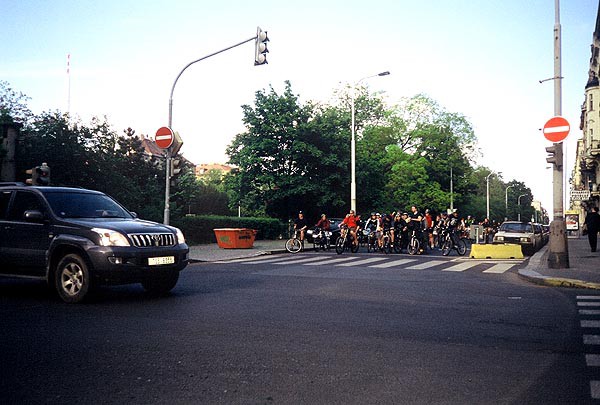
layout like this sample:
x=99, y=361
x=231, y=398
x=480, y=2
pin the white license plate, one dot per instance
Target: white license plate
x=157, y=261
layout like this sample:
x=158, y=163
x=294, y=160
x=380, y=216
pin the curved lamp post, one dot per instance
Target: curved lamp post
x=353, y=142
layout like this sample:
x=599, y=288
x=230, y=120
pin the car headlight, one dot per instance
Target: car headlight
x=180, y=237
x=524, y=240
x=108, y=237
x=499, y=238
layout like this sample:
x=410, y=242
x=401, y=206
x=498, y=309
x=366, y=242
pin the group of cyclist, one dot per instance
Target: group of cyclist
x=397, y=226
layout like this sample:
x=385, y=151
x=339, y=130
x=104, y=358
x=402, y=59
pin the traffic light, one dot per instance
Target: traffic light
x=175, y=166
x=43, y=175
x=32, y=176
x=260, y=47
x=555, y=155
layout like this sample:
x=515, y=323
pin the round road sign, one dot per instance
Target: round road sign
x=556, y=129
x=164, y=137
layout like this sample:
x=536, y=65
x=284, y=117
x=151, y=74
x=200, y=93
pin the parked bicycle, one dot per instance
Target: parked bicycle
x=345, y=242
x=294, y=244
x=452, y=241
x=414, y=244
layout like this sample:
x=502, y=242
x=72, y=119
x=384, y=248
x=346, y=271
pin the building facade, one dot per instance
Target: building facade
x=585, y=178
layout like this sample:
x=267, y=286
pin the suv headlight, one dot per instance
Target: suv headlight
x=499, y=238
x=108, y=237
x=180, y=237
x=525, y=240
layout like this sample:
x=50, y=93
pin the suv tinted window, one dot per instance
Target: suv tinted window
x=85, y=205
x=24, y=201
x=4, y=200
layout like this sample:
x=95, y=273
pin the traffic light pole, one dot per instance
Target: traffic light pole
x=558, y=257
x=168, y=152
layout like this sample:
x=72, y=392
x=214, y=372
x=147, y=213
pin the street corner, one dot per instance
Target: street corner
x=537, y=278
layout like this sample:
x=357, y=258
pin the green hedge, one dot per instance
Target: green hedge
x=199, y=229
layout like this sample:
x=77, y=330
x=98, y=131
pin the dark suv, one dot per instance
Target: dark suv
x=76, y=238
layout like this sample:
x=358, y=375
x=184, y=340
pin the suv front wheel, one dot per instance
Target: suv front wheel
x=72, y=278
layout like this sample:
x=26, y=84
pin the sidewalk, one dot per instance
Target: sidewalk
x=583, y=271
x=212, y=252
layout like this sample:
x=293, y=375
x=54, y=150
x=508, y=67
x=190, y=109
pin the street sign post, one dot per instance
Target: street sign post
x=556, y=129
x=164, y=137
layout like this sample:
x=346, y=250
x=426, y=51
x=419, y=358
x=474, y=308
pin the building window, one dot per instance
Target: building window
x=591, y=98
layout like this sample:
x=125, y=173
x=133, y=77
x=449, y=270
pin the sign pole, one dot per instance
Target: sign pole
x=558, y=257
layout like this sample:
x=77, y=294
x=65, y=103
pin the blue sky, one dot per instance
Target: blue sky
x=483, y=59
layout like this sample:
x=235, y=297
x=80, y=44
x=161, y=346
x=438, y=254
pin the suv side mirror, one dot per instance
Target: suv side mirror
x=133, y=214
x=33, y=216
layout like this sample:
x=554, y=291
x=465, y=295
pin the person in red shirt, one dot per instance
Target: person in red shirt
x=351, y=221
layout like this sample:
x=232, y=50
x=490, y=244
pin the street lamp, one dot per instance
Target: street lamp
x=487, y=183
x=519, y=204
x=506, y=202
x=353, y=143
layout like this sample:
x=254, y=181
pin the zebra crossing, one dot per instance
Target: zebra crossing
x=590, y=325
x=451, y=265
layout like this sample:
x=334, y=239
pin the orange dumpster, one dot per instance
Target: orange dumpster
x=235, y=238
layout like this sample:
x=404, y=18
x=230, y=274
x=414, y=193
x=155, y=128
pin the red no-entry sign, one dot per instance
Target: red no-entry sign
x=164, y=137
x=556, y=129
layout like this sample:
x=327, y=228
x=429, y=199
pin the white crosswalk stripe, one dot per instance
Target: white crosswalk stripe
x=462, y=266
x=499, y=268
x=383, y=262
x=426, y=265
x=393, y=263
x=362, y=262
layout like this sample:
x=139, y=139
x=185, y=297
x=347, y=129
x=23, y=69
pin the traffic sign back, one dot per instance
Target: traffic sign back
x=556, y=129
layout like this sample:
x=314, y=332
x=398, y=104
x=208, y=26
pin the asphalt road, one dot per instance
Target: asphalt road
x=270, y=331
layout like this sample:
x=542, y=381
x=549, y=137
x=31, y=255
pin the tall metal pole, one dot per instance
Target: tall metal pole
x=506, y=203
x=558, y=257
x=487, y=194
x=353, y=141
x=168, y=152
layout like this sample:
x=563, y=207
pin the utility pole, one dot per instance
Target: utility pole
x=558, y=257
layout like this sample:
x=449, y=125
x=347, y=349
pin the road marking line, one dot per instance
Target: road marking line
x=595, y=389
x=590, y=324
x=589, y=312
x=278, y=259
x=591, y=339
x=499, y=268
x=426, y=265
x=588, y=304
x=588, y=297
x=330, y=261
x=592, y=360
x=393, y=263
x=305, y=260
x=361, y=262
x=253, y=259
x=461, y=266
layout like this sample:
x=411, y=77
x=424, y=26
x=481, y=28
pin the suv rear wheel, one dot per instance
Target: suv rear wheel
x=72, y=278
x=161, y=283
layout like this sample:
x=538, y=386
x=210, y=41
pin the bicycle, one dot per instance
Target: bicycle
x=372, y=245
x=321, y=239
x=294, y=244
x=386, y=244
x=449, y=243
x=345, y=241
x=414, y=244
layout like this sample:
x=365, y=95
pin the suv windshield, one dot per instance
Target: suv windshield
x=520, y=227
x=85, y=205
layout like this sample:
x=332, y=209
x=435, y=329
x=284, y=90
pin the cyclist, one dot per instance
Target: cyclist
x=351, y=221
x=416, y=224
x=403, y=225
x=300, y=225
x=387, y=225
x=371, y=226
x=324, y=223
x=454, y=226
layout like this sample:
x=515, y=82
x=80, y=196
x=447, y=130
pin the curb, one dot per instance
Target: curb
x=255, y=254
x=537, y=261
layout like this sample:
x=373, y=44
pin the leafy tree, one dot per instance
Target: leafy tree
x=13, y=105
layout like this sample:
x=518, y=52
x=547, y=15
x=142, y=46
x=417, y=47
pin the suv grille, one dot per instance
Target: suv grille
x=152, y=239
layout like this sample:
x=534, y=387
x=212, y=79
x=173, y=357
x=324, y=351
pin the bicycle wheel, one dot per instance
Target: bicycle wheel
x=413, y=246
x=461, y=247
x=354, y=247
x=447, y=247
x=340, y=244
x=293, y=245
x=386, y=246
